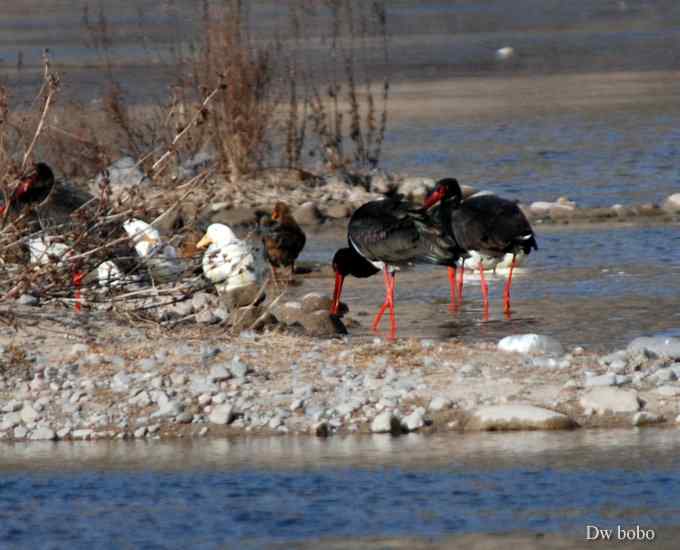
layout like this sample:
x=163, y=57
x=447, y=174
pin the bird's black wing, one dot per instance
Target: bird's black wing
x=492, y=225
x=395, y=231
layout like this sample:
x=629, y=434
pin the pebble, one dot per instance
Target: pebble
x=608, y=399
x=20, y=432
x=668, y=391
x=239, y=369
x=608, y=379
x=218, y=373
x=43, y=433
x=140, y=432
x=221, y=414
x=120, y=382
x=643, y=418
x=28, y=300
x=169, y=408
x=184, y=417
x=518, y=417
x=82, y=434
x=440, y=403
x=531, y=343
x=12, y=406
x=297, y=404
x=29, y=414
x=656, y=346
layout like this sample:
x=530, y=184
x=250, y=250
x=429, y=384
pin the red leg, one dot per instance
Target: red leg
x=77, y=282
x=485, y=286
x=452, y=285
x=508, y=285
x=485, y=291
x=381, y=311
x=393, y=317
x=460, y=283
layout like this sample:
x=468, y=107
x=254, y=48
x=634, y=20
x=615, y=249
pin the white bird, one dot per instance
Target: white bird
x=109, y=275
x=228, y=262
x=160, y=258
x=44, y=250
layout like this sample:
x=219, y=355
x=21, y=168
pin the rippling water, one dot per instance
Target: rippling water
x=257, y=492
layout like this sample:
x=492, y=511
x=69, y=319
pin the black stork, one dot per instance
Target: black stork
x=486, y=225
x=33, y=188
x=384, y=235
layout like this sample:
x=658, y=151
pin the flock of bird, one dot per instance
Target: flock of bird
x=446, y=230
x=383, y=235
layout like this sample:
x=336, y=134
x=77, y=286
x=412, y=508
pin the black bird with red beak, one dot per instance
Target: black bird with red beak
x=384, y=235
x=34, y=188
x=484, y=224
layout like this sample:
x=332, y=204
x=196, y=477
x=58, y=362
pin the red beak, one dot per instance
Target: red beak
x=434, y=198
x=335, y=306
x=23, y=187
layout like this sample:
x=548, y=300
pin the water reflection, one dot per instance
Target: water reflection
x=581, y=449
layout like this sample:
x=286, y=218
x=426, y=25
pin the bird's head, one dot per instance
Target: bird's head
x=447, y=188
x=347, y=261
x=219, y=234
x=35, y=184
x=280, y=212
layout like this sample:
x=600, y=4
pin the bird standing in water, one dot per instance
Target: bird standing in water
x=283, y=240
x=487, y=226
x=384, y=235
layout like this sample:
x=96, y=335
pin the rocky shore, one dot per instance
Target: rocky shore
x=75, y=377
x=326, y=198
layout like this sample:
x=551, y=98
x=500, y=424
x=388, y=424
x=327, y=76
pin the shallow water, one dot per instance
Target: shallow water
x=597, y=287
x=254, y=492
x=595, y=159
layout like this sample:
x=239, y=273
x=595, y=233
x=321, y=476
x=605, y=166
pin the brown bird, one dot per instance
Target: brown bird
x=283, y=239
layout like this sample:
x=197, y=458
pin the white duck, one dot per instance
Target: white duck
x=160, y=258
x=228, y=262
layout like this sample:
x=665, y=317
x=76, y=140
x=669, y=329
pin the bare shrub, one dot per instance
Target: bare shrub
x=346, y=114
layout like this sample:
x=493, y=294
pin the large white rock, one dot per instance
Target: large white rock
x=531, y=343
x=518, y=417
x=222, y=414
x=663, y=346
x=122, y=174
x=608, y=399
x=672, y=203
x=544, y=207
x=43, y=433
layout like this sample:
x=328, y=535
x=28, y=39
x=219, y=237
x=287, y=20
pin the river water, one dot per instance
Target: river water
x=588, y=108
x=253, y=493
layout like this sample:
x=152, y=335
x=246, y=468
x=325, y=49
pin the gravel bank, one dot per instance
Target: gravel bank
x=91, y=377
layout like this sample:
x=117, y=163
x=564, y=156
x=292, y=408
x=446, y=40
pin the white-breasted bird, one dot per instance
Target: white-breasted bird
x=228, y=262
x=161, y=259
